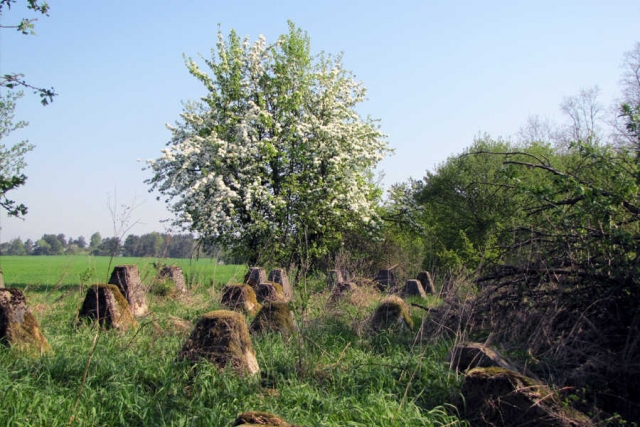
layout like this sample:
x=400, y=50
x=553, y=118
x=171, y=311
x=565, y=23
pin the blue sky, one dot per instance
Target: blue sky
x=438, y=74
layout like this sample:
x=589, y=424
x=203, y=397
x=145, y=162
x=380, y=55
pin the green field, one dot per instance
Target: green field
x=333, y=372
x=49, y=272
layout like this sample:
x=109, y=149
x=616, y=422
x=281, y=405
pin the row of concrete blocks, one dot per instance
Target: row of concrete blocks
x=387, y=281
x=494, y=392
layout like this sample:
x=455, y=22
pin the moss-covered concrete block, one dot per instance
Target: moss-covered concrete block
x=19, y=329
x=392, y=313
x=127, y=279
x=270, y=292
x=503, y=398
x=240, y=298
x=279, y=276
x=222, y=337
x=105, y=304
x=274, y=317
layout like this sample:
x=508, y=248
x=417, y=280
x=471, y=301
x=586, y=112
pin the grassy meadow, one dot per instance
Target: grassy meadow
x=47, y=272
x=334, y=372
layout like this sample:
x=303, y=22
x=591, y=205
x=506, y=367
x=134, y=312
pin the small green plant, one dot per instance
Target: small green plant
x=162, y=287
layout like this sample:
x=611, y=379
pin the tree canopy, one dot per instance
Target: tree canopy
x=274, y=160
x=12, y=161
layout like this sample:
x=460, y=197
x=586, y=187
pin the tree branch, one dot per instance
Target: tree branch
x=15, y=80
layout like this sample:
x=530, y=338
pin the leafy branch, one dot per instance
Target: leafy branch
x=26, y=27
x=15, y=80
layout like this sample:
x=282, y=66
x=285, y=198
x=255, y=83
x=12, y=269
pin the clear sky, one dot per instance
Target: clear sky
x=438, y=74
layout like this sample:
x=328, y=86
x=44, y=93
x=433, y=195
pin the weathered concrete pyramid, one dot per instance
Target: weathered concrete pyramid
x=255, y=276
x=127, y=279
x=427, y=282
x=240, y=298
x=386, y=280
x=274, y=317
x=18, y=328
x=413, y=288
x=106, y=305
x=173, y=273
x=278, y=275
x=392, y=313
x=222, y=337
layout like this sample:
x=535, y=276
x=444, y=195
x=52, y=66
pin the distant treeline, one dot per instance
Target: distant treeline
x=157, y=245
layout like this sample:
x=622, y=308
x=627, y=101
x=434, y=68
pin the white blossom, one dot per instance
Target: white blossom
x=275, y=149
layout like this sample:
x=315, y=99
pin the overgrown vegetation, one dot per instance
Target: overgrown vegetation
x=548, y=233
x=330, y=373
x=534, y=244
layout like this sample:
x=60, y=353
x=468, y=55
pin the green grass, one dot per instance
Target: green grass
x=333, y=373
x=45, y=272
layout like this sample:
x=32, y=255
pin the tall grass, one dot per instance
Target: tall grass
x=329, y=374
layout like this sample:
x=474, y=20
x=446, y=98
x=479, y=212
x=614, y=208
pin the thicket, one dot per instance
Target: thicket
x=546, y=235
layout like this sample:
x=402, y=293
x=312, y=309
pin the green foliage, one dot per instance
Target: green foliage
x=275, y=160
x=501, y=203
x=109, y=246
x=464, y=211
x=632, y=117
x=163, y=287
x=460, y=254
x=12, y=160
x=15, y=247
x=25, y=26
x=572, y=264
x=95, y=240
x=159, y=245
x=49, y=245
x=155, y=245
x=584, y=212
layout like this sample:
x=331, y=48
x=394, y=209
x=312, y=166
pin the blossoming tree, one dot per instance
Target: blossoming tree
x=274, y=163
